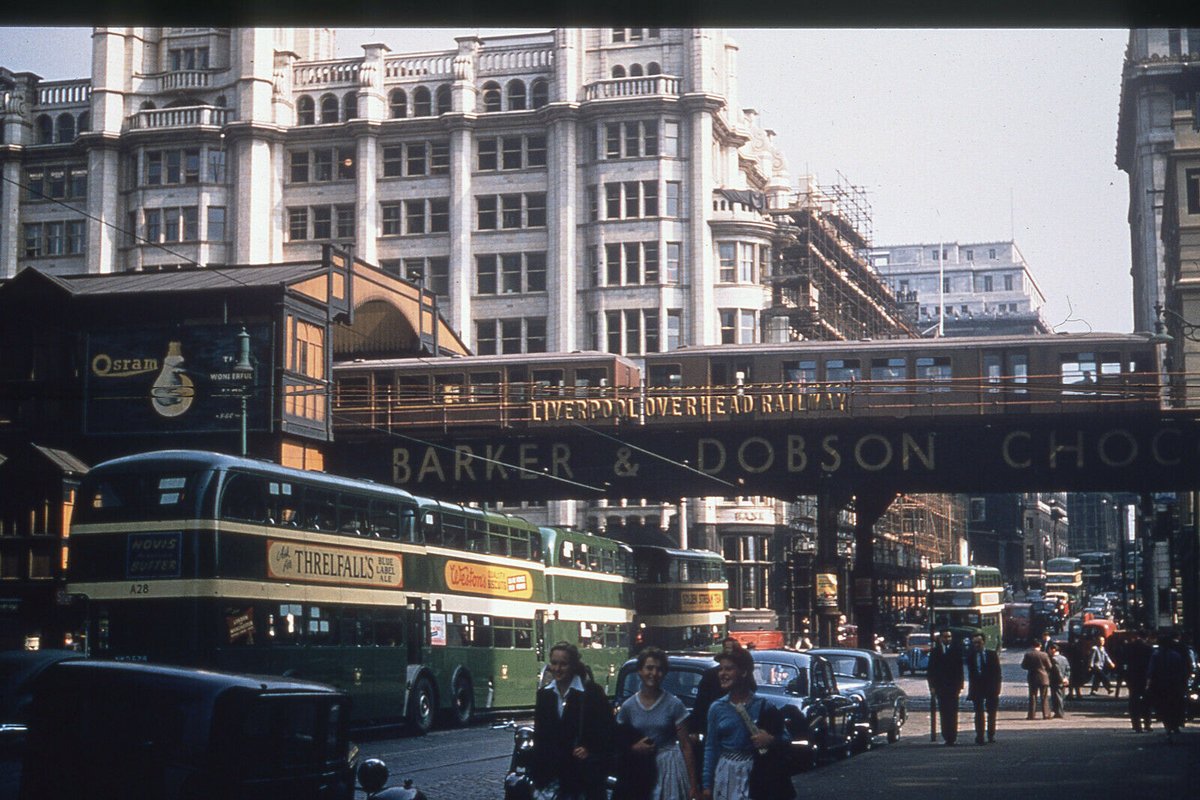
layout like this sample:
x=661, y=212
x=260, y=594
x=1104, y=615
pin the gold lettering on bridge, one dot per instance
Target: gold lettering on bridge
x=708, y=406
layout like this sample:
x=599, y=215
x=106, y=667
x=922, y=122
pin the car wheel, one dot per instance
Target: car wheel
x=421, y=707
x=898, y=719
x=464, y=700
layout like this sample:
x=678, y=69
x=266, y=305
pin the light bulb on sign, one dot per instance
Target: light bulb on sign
x=173, y=391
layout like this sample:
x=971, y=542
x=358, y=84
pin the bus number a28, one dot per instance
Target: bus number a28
x=139, y=588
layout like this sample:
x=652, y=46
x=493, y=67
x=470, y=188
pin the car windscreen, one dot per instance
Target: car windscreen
x=850, y=667
x=780, y=676
x=918, y=640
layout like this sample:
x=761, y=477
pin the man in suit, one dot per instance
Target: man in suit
x=945, y=677
x=983, y=687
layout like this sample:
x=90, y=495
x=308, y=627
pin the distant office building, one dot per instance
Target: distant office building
x=970, y=289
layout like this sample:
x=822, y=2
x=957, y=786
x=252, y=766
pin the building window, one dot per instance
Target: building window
x=987, y=283
x=491, y=97
x=629, y=264
x=321, y=165
x=674, y=262
x=443, y=99
x=435, y=272
x=505, y=336
x=172, y=167
x=631, y=199
x=188, y=58
x=1008, y=283
x=305, y=111
x=510, y=211
x=510, y=153
x=674, y=329
x=970, y=254
x=397, y=104
x=539, y=93
x=329, y=109
x=632, y=331
x=992, y=253
x=57, y=238
x=216, y=224
x=57, y=182
x=411, y=217
x=728, y=326
x=673, y=208
x=516, y=95
x=727, y=261
x=510, y=273
x=413, y=159
x=350, y=106
x=631, y=139
x=321, y=222
x=422, y=102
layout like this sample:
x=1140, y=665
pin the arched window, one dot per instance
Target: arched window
x=653, y=68
x=85, y=122
x=422, y=104
x=491, y=96
x=398, y=104
x=516, y=95
x=65, y=128
x=305, y=113
x=635, y=71
x=539, y=93
x=221, y=101
x=618, y=71
x=45, y=128
x=350, y=106
x=444, y=103
x=329, y=109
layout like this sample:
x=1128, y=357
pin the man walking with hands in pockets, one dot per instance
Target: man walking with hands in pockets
x=983, y=686
x=945, y=676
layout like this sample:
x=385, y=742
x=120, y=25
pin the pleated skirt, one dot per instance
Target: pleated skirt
x=732, y=778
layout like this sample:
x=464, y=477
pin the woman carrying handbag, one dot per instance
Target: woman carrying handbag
x=745, y=746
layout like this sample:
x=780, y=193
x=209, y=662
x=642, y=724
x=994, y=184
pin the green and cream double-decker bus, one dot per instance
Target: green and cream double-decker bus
x=1065, y=574
x=681, y=599
x=967, y=600
x=413, y=606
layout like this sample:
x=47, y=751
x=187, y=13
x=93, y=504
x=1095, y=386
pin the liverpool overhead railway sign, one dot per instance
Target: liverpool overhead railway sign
x=784, y=458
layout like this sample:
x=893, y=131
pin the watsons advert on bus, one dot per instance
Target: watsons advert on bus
x=291, y=561
x=462, y=576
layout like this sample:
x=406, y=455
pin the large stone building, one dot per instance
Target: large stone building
x=964, y=288
x=1158, y=146
x=563, y=190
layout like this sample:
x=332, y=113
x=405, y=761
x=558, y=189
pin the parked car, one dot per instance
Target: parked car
x=18, y=670
x=819, y=720
x=112, y=730
x=914, y=657
x=866, y=678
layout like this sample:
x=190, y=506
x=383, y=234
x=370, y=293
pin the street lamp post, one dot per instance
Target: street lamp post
x=244, y=365
x=1124, y=544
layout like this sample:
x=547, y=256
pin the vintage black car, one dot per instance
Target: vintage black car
x=18, y=670
x=819, y=719
x=866, y=678
x=114, y=731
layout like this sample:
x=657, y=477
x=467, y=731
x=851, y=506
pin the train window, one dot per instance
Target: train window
x=547, y=380
x=801, y=372
x=448, y=388
x=935, y=369
x=666, y=375
x=891, y=372
x=585, y=378
x=1110, y=365
x=454, y=531
x=412, y=389
x=1078, y=371
x=843, y=370
x=484, y=386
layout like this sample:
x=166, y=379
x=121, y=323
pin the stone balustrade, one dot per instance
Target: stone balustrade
x=419, y=65
x=181, y=117
x=184, y=79
x=632, y=87
x=319, y=74
x=64, y=93
x=501, y=60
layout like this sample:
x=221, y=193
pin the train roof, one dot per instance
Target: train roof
x=205, y=458
x=948, y=343
x=467, y=362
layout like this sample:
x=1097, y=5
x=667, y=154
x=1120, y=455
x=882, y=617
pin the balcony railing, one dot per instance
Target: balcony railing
x=419, y=65
x=632, y=87
x=64, y=93
x=327, y=73
x=523, y=58
x=182, y=117
x=184, y=79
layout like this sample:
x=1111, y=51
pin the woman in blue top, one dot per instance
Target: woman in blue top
x=741, y=725
x=657, y=721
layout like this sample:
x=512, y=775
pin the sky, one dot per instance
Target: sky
x=953, y=134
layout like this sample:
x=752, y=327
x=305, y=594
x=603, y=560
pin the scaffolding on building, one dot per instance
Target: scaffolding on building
x=927, y=523
x=822, y=284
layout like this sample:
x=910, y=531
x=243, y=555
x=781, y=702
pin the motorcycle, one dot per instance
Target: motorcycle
x=373, y=776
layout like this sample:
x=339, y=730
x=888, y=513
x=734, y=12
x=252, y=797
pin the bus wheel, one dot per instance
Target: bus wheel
x=421, y=707
x=464, y=700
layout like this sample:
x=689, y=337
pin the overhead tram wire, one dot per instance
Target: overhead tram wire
x=484, y=459
x=652, y=454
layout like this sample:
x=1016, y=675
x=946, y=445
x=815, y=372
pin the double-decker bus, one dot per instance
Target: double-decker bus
x=968, y=600
x=681, y=598
x=413, y=606
x=1065, y=575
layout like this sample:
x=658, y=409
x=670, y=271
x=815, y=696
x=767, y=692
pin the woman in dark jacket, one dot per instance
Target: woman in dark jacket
x=572, y=730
